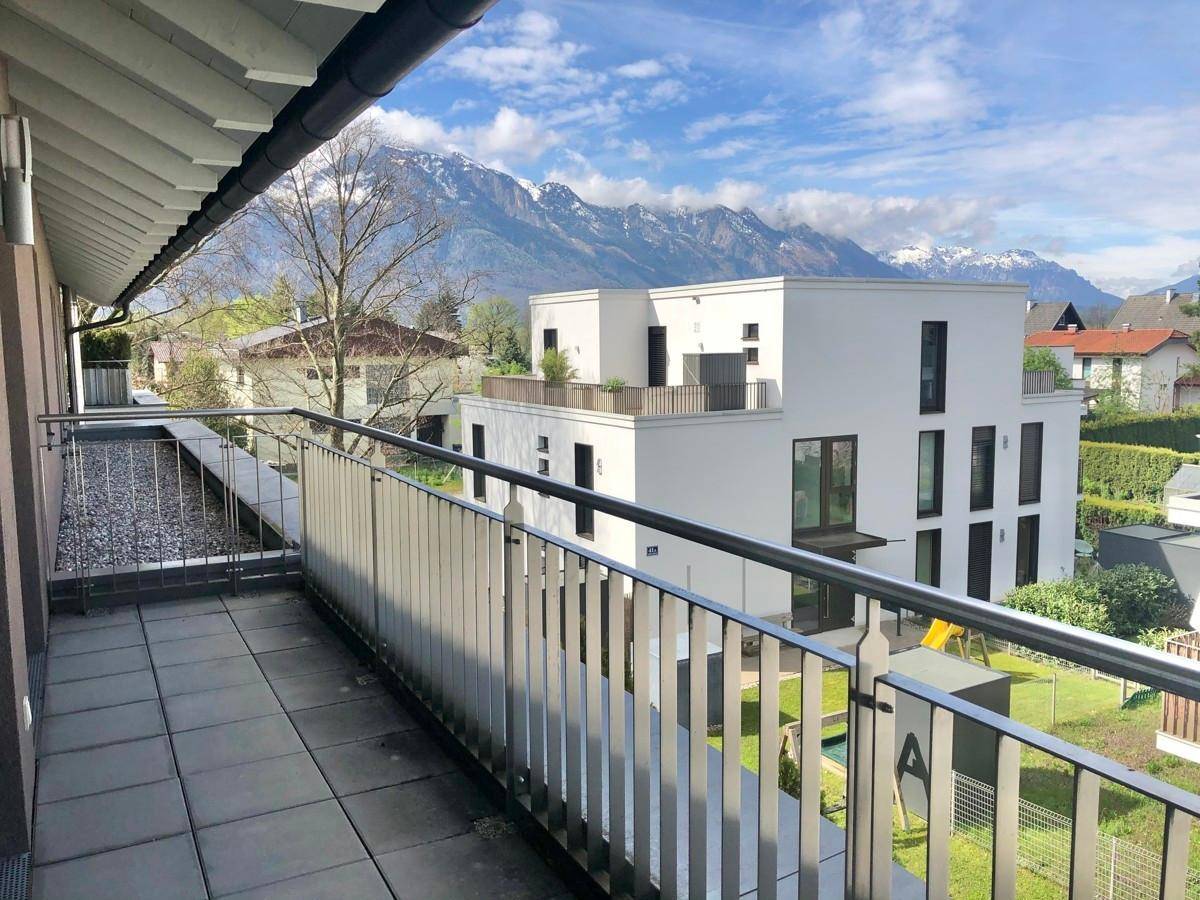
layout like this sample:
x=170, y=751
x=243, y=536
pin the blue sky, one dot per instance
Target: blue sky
x=1071, y=129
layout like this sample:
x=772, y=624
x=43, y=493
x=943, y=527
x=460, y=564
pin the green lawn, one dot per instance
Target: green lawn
x=1087, y=713
x=447, y=479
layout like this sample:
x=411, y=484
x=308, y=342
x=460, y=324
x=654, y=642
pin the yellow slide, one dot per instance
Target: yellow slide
x=939, y=633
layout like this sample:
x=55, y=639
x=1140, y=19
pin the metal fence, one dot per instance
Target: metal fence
x=626, y=400
x=1180, y=716
x=107, y=384
x=1124, y=870
x=536, y=654
x=1036, y=382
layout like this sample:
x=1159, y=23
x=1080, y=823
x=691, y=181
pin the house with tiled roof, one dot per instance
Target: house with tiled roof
x=1169, y=309
x=1051, y=316
x=1145, y=364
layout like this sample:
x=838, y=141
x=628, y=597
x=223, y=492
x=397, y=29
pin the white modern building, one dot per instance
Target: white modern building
x=881, y=421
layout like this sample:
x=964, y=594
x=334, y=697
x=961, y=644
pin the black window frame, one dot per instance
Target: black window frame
x=1031, y=539
x=979, y=541
x=1029, y=484
x=939, y=467
x=585, y=516
x=478, y=450
x=826, y=482
x=935, y=556
x=549, y=339
x=751, y=356
x=543, y=443
x=749, y=331
x=543, y=466
x=936, y=403
x=983, y=494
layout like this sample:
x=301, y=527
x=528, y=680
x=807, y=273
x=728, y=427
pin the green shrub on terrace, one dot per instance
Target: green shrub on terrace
x=1128, y=471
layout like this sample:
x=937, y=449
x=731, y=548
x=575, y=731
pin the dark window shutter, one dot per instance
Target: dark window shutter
x=477, y=450
x=979, y=561
x=1031, y=462
x=983, y=466
x=656, y=342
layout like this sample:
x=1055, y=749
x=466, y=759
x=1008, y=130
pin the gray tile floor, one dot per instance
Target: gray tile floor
x=235, y=748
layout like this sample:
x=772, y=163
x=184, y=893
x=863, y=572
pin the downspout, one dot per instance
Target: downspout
x=74, y=356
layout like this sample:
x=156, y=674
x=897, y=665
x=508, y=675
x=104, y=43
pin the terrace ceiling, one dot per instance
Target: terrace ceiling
x=137, y=108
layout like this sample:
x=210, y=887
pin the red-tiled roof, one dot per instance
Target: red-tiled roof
x=1094, y=342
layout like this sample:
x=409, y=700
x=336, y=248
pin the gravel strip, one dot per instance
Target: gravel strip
x=119, y=518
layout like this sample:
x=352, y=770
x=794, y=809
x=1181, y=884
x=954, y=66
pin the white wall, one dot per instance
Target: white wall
x=1159, y=371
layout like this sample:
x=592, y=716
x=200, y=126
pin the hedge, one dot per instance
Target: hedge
x=105, y=345
x=1094, y=514
x=1175, y=431
x=1129, y=472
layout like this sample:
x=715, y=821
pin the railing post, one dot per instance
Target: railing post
x=514, y=589
x=870, y=756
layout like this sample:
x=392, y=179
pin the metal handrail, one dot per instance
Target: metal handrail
x=1087, y=648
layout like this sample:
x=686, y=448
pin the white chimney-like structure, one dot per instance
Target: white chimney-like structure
x=1168, y=295
x=1125, y=326
x=301, y=310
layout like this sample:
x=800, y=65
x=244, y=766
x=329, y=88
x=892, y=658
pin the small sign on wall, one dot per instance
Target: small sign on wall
x=652, y=550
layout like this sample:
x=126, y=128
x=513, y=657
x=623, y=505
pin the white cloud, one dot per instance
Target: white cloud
x=1132, y=267
x=640, y=151
x=523, y=56
x=725, y=149
x=643, y=68
x=508, y=135
x=702, y=128
x=595, y=187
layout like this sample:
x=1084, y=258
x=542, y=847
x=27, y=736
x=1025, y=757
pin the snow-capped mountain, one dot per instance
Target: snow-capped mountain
x=1047, y=280
x=528, y=238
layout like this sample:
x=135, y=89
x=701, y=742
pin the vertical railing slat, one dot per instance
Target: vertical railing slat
x=537, y=676
x=941, y=803
x=516, y=722
x=574, y=725
x=768, y=768
x=697, y=752
x=617, y=864
x=1177, y=832
x=668, y=743
x=731, y=760
x=554, y=690
x=1085, y=825
x=641, y=741
x=811, y=684
x=1005, y=825
x=498, y=677
x=593, y=705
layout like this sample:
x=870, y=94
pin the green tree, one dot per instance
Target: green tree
x=441, y=313
x=493, y=326
x=1043, y=359
x=557, y=368
x=199, y=384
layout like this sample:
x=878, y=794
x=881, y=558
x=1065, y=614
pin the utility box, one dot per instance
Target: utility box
x=974, y=744
x=714, y=368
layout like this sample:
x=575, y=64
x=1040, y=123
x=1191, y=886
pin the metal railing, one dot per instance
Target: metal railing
x=537, y=654
x=1036, y=382
x=627, y=400
x=107, y=384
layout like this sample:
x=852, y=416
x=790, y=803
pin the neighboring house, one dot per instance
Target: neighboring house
x=1145, y=364
x=167, y=355
x=872, y=420
x=1157, y=311
x=1051, y=316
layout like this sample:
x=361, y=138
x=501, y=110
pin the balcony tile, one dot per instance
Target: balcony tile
x=470, y=866
x=189, y=627
x=99, y=618
x=96, y=727
x=186, y=712
x=285, y=637
x=66, y=775
x=108, y=821
x=325, y=688
x=96, y=693
x=257, y=599
x=217, y=646
x=163, y=870
x=96, y=639
x=405, y=815
x=305, y=661
x=236, y=743
x=251, y=789
x=360, y=880
x=178, y=609
x=191, y=678
x=381, y=761
x=269, y=848
x=288, y=613
x=96, y=665
x=344, y=723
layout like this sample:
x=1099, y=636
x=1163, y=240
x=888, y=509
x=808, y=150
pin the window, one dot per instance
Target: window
x=1086, y=370
x=585, y=516
x=929, y=472
x=1028, y=528
x=979, y=561
x=752, y=356
x=983, y=466
x=543, y=443
x=386, y=385
x=549, y=338
x=241, y=375
x=544, y=467
x=1030, y=489
x=824, y=482
x=933, y=367
x=656, y=355
x=750, y=331
x=929, y=557
x=477, y=450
